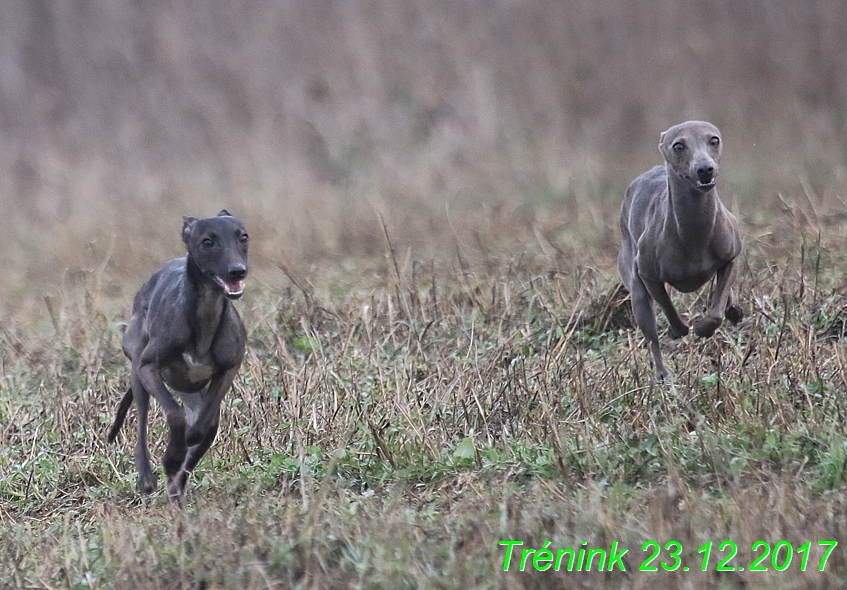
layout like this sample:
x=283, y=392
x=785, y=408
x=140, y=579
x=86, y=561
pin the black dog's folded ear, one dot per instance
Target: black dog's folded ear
x=187, y=226
x=224, y=213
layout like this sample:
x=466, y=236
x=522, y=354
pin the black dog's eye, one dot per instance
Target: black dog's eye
x=679, y=147
x=244, y=238
x=207, y=242
x=715, y=141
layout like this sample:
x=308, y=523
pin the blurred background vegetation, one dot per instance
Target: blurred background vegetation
x=310, y=119
x=438, y=354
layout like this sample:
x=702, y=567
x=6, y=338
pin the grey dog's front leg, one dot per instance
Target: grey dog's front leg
x=678, y=327
x=721, y=299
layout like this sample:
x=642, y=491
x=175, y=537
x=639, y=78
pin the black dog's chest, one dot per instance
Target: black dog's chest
x=188, y=373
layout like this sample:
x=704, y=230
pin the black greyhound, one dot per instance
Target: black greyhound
x=186, y=336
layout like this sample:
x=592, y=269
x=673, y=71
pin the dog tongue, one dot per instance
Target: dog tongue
x=233, y=287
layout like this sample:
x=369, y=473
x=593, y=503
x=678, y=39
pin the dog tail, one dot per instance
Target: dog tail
x=126, y=402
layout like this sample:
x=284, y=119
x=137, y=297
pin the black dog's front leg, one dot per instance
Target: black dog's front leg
x=203, y=411
x=206, y=408
x=176, y=450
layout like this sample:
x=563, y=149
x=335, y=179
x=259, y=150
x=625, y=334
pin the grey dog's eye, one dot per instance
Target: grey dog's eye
x=244, y=238
x=715, y=141
x=679, y=147
x=207, y=242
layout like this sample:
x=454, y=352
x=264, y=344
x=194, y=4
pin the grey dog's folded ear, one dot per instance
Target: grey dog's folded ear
x=661, y=140
x=187, y=226
x=224, y=213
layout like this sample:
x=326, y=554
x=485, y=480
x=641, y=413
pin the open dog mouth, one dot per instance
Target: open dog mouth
x=232, y=289
x=699, y=184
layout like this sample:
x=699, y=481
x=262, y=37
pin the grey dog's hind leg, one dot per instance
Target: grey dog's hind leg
x=642, y=308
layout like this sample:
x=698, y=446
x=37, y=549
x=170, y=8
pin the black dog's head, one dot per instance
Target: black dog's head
x=218, y=247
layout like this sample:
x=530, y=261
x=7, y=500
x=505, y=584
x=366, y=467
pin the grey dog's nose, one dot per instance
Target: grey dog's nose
x=705, y=173
x=236, y=272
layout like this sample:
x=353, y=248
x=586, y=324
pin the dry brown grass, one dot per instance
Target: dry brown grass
x=399, y=415
x=439, y=356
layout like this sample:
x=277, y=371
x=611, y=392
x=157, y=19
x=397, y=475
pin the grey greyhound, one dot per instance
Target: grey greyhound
x=676, y=231
x=186, y=335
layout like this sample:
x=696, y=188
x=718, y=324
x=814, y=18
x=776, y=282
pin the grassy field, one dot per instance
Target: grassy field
x=399, y=415
x=440, y=358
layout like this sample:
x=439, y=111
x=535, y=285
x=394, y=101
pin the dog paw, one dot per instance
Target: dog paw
x=147, y=483
x=678, y=331
x=176, y=488
x=705, y=327
x=734, y=314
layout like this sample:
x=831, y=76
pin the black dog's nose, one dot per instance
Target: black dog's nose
x=236, y=272
x=705, y=173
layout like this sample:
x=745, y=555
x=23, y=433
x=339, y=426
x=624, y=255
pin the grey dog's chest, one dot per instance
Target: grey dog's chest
x=687, y=275
x=189, y=372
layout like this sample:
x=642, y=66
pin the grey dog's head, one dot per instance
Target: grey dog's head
x=218, y=246
x=692, y=151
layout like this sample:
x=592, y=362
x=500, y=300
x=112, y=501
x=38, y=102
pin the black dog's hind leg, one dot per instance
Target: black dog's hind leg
x=146, y=477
